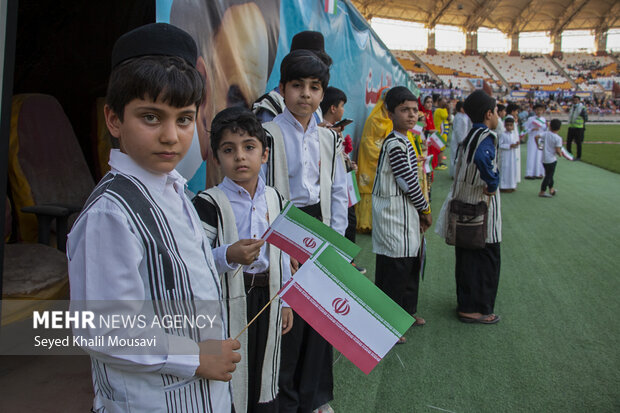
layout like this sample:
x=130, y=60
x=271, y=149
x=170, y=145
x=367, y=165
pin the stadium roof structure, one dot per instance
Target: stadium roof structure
x=507, y=16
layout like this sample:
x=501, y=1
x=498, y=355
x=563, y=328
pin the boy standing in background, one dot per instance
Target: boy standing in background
x=399, y=210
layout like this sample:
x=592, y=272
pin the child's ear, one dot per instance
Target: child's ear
x=265, y=156
x=281, y=88
x=112, y=121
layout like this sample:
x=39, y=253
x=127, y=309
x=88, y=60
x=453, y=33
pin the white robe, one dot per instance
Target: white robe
x=460, y=128
x=507, y=161
x=516, y=138
x=534, y=166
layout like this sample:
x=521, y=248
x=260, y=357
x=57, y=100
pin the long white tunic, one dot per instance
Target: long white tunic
x=534, y=166
x=507, y=161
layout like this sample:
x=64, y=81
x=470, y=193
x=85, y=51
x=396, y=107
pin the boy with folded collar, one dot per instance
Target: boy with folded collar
x=234, y=215
x=138, y=242
x=304, y=165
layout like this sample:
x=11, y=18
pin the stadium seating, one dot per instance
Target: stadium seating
x=528, y=70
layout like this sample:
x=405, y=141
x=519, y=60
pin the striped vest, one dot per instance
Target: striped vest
x=396, y=224
x=468, y=186
x=171, y=292
x=330, y=147
x=234, y=296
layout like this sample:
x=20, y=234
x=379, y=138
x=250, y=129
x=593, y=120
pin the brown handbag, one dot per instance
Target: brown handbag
x=467, y=224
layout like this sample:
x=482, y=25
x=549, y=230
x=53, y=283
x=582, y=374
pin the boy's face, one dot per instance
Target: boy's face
x=492, y=118
x=502, y=113
x=404, y=116
x=154, y=134
x=240, y=156
x=539, y=111
x=428, y=104
x=509, y=126
x=338, y=111
x=302, y=97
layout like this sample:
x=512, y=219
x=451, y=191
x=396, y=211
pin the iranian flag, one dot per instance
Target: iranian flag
x=300, y=235
x=428, y=166
x=417, y=129
x=567, y=154
x=436, y=141
x=539, y=123
x=347, y=309
x=330, y=6
x=352, y=189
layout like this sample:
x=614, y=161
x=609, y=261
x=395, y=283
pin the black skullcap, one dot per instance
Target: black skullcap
x=477, y=104
x=308, y=40
x=159, y=39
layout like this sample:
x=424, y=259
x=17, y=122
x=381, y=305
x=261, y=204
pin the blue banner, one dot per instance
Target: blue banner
x=241, y=44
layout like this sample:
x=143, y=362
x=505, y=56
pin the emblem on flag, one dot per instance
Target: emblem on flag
x=346, y=308
x=341, y=306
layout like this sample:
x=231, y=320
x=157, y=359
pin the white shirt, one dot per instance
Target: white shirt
x=550, y=142
x=303, y=159
x=106, y=262
x=252, y=222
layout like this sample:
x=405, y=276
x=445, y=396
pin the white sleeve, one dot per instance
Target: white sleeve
x=221, y=263
x=505, y=140
x=105, y=257
x=340, y=198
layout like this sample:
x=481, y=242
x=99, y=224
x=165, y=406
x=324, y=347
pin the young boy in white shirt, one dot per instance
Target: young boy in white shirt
x=304, y=166
x=235, y=214
x=551, y=144
x=138, y=245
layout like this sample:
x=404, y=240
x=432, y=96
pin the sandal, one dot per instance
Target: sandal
x=483, y=319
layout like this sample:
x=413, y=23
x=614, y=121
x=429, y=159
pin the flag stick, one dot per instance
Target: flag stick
x=256, y=316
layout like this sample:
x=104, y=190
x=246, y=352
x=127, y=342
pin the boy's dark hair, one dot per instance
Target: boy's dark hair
x=538, y=105
x=333, y=96
x=512, y=107
x=459, y=106
x=236, y=119
x=500, y=107
x=396, y=96
x=555, y=125
x=509, y=120
x=477, y=104
x=301, y=64
x=167, y=79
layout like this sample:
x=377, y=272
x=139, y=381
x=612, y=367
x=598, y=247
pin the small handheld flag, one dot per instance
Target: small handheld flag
x=437, y=142
x=347, y=309
x=352, y=189
x=299, y=235
x=567, y=154
x=417, y=129
x=428, y=168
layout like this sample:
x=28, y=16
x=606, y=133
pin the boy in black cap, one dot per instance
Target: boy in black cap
x=476, y=179
x=139, y=240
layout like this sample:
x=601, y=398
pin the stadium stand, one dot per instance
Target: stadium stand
x=529, y=71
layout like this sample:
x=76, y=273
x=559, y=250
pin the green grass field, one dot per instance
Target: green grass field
x=556, y=348
x=605, y=156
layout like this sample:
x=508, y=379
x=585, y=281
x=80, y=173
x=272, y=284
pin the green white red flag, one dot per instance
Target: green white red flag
x=346, y=308
x=331, y=6
x=352, y=189
x=428, y=166
x=567, y=154
x=417, y=129
x=300, y=235
x=436, y=141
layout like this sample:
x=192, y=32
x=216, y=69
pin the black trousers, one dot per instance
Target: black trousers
x=548, y=179
x=306, y=377
x=477, y=278
x=399, y=279
x=256, y=298
x=575, y=134
x=352, y=218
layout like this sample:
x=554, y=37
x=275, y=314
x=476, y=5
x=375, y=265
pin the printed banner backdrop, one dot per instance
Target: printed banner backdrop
x=241, y=44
